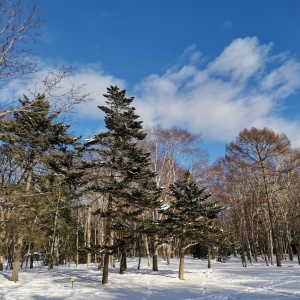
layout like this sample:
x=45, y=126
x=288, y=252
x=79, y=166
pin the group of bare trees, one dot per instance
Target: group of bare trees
x=258, y=181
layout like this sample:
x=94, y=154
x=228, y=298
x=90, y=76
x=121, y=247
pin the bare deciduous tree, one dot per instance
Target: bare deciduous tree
x=262, y=151
x=57, y=88
x=20, y=23
x=20, y=28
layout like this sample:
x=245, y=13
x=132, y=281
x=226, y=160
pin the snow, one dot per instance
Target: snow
x=223, y=281
x=165, y=207
x=91, y=139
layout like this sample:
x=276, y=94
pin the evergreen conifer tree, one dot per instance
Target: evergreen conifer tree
x=127, y=183
x=188, y=217
x=37, y=147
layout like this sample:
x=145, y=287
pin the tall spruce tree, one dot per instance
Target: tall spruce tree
x=127, y=183
x=188, y=216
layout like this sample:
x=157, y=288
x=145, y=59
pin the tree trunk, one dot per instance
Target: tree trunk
x=147, y=251
x=140, y=250
x=54, y=246
x=95, y=241
x=155, y=255
x=271, y=250
x=107, y=247
x=249, y=252
x=123, y=262
x=1, y=262
x=88, y=236
x=17, y=258
x=246, y=241
x=243, y=257
x=155, y=261
x=77, y=247
x=298, y=253
x=105, y=268
x=289, y=240
x=277, y=253
x=139, y=264
x=50, y=262
x=31, y=260
x=111, y=256
x=168, y=252
x=181, y=264
x=208, y=256
x=290, y=250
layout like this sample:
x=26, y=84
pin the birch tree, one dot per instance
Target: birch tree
x=172, y=151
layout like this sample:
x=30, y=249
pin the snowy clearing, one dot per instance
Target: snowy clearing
x=223, y=281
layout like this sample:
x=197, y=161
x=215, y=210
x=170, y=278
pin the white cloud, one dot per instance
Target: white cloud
x=238, y=89
x=244, y=86
x=284, y=80
x=241, y=59
x=95, y=82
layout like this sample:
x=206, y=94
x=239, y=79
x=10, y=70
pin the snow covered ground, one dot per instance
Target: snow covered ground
x=223, y=281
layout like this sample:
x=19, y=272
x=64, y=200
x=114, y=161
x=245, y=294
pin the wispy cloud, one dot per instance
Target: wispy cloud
x=240, y=60
x=191, y=55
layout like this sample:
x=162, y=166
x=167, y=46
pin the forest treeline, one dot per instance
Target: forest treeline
x=121, y=192
x=128, y=190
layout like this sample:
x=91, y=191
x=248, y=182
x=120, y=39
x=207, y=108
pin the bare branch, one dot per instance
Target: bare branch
x=58, y=89
x=20, y=25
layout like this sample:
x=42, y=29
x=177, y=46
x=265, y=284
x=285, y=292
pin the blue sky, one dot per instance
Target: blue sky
x=210, y=66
